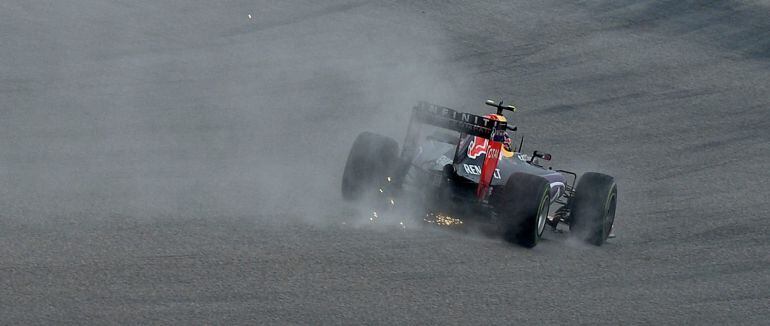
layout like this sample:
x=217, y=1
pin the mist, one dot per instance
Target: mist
x=179, y=162
x=117, y=110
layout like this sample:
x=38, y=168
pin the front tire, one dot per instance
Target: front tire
x=522, y=206
x=593, y=208
x=371, y=159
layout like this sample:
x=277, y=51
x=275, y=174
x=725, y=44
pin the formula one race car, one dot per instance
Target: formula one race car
x=476, y=171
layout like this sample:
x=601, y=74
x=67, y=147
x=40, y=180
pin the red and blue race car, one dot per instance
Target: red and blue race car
x=461, y=164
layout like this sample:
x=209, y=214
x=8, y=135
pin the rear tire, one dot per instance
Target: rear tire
x=522, y=206
x=371, y=159
x=592, y=210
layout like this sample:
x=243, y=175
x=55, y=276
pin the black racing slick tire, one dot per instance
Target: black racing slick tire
x=592, y=209
x=522, y=206
x=370, y=160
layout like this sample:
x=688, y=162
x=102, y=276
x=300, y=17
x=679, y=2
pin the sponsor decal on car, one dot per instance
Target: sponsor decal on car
x=480, y=146
x=477, y=147
x=476, y=170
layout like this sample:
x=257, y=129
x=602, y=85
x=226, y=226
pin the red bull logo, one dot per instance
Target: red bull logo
x=477, y=147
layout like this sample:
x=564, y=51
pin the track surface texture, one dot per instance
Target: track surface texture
x=180, y=161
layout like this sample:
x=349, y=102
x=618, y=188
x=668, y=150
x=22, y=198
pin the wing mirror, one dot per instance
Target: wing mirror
x=538, y=154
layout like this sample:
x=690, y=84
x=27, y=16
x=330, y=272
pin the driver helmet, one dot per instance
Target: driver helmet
x=507, y=142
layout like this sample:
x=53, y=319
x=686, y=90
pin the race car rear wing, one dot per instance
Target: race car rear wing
x=467, y=124
x=462, y=122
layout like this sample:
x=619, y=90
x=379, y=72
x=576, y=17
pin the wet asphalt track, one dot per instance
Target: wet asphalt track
x=178, y=162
